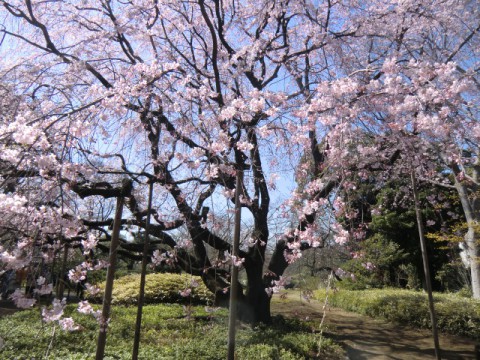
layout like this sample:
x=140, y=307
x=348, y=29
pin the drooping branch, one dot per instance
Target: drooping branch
x=214, y=54
x=104, y=189
x=278, y=262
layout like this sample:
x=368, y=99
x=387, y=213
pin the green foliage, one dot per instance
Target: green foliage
x=465, y=292
x=455, y=314
x=409, y=274
x=379, y=262
x=391, y=236
x=167, y=333
x=163, y=287
x=454, y=276
x=306, y=282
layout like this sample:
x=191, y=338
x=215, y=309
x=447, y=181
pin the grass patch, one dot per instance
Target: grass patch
x=159, y=288
x=455, y=314
x=167, y=334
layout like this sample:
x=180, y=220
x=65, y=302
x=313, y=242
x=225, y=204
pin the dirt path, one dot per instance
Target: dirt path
x=366, y=338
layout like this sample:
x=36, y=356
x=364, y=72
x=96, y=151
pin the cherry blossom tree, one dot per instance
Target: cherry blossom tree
x=182, y=93
x=179, y=93
x=407, y=100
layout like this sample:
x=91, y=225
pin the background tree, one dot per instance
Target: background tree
x=408, y=97
x=388, y=254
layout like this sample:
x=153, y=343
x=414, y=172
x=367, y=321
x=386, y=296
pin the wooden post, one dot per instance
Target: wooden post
x=232, y=317
x=426, y=268
x=141, y=296
x=107, y=297
x=61, y=276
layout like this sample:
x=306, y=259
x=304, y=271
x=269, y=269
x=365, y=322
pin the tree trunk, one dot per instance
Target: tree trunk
x=471, y=209
x=473, y=256
x=253, y=306
x=143, y=274
x=258, y=301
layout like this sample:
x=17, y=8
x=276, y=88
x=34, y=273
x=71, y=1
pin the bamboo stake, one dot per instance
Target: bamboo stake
x=141, y=296
x=107, y=298
x=426, y=268
x=232, y=316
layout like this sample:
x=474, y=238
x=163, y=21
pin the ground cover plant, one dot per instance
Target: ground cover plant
x=170, y=331
x=455, y=314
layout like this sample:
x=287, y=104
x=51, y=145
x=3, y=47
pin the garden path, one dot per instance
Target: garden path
x=365, y=338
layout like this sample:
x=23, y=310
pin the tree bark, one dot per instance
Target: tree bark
x=258, y=301
x=471, y=209
x=62, y=275
x=473, y=255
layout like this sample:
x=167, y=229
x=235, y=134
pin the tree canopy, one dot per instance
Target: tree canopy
x=183, y=93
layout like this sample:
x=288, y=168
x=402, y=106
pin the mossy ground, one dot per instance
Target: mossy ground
x=171, y=330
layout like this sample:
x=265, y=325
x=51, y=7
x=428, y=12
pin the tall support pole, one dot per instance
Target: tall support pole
x=232, y=316
x=112, y=263
x=61, y=276
x=141, y=295
x=426, y=268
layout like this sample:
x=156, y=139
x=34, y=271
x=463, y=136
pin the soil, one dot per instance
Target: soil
x=366, y=338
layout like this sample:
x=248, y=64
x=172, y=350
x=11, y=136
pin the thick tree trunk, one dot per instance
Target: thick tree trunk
x=253, y=306
x=258, y=301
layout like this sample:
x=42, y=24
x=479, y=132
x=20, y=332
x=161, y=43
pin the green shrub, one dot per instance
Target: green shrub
x=307, y=282
x=465, y=292
x=455, y=314
x=386, y=258
x=159, y=288
x=166, y=334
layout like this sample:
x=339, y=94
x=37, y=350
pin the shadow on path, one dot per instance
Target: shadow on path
x=365, y=338
x=7, y=308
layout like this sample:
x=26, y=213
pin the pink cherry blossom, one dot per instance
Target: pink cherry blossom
x=21, y=301
x=84, y=307
x=68, y=324
x=56, y=312
x=186, y=292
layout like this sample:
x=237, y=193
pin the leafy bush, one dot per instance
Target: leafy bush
x=167, y=333
x=307, y=282
x=159, y=288
x=379, y=261
x=455, y=314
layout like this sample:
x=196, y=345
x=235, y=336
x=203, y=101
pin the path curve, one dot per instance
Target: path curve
x=365, y=338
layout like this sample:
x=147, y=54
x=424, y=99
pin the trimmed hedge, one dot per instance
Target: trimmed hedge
x=159, y=288
x=455, y=314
